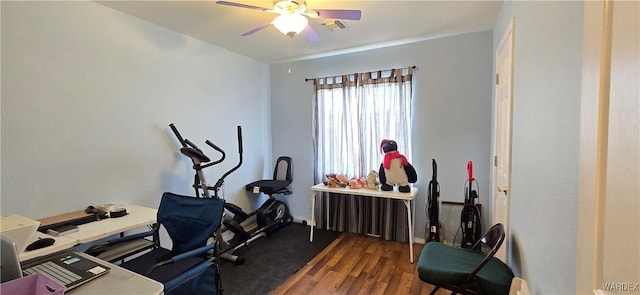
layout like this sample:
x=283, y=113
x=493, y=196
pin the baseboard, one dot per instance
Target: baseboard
x=519, y=287
x=302, y=220
x=307, y=221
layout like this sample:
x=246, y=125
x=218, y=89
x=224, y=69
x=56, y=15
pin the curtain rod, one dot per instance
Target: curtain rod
x=309, y=79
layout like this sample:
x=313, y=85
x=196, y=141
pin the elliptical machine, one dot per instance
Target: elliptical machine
x=470, y=219
x=272, y=215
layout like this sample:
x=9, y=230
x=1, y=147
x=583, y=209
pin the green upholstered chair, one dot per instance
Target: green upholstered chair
x=467, y=271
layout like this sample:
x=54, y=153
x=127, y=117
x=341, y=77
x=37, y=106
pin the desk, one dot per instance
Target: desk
x=118, y=281
x=406, y=198
x=137, y=216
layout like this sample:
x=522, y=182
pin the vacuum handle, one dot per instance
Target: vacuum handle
x=435, y=169
x=470, y=171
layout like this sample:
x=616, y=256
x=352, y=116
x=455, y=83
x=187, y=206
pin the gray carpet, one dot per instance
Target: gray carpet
x=273, y=259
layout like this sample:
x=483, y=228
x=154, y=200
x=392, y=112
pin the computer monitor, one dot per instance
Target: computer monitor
x=10, y=262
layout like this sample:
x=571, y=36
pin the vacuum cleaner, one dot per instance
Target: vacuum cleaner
x=470, y=219
x=433, y=206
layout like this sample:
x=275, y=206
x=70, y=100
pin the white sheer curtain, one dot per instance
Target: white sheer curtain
x=352, y=114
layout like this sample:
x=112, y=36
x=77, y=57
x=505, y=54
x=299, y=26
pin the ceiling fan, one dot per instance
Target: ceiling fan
x=292, y=19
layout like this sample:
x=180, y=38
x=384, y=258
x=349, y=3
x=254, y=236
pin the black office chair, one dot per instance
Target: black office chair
x=467, y=271
x=190, y=266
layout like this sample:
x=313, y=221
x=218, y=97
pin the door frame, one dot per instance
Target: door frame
x=508, y=35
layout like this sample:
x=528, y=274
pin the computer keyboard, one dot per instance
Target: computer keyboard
x=55, y=272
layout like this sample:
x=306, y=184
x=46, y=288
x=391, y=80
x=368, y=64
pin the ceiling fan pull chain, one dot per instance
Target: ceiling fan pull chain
x=290, y=51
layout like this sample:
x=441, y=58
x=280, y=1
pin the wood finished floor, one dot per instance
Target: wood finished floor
x=356, y=264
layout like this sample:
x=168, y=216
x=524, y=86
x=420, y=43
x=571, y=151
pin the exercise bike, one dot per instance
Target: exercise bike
x=271, y=216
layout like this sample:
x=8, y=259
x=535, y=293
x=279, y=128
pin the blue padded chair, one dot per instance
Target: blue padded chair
x=467, y=271
x=188, y=268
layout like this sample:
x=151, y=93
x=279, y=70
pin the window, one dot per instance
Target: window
x=352, y=114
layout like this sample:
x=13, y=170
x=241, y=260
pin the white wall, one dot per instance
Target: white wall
x=87, y=96
x=608, y=251
x=452, y=113
x=546, y=129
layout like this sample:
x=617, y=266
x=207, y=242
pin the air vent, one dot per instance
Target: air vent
x=335, y=25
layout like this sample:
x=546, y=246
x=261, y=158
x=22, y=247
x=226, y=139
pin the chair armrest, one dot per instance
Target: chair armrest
x=194, y=252
x=130, y=238
x=98, y=249
x=179, y=257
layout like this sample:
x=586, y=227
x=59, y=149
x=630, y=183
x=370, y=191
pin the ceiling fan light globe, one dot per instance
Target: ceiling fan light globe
x=290, y=24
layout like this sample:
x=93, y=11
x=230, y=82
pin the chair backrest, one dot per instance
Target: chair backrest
x=189, y=221
x=283, y=169
x=489, y=244
x=491, y=241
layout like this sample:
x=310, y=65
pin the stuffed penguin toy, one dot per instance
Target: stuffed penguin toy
x=395, y=168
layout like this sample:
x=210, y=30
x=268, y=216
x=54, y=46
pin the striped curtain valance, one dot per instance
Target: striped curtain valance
x=368, y=78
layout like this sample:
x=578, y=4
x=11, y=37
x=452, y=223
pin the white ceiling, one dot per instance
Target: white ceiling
x=383, y=23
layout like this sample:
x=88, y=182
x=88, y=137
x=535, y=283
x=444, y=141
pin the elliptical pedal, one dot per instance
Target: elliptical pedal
x=240, y=235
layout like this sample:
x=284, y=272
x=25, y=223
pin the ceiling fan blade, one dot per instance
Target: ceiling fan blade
x=310, y=34
x=339, y=14
x=243, y=5
x=256, y=29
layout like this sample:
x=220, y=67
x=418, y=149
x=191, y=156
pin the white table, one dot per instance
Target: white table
x=137, y=216
x=118, y=281
x=406, y=198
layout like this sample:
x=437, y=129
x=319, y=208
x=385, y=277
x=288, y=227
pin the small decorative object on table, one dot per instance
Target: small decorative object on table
x=336, y=180
x=357, y=183
x=372, y=181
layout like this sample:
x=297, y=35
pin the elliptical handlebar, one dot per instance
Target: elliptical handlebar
x=240, y=142
x=177, y=134
x=195, y=150
x=220, y=181
x=215, y=147
x=192, y=151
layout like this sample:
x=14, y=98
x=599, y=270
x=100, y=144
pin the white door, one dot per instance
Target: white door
x=502, y=144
